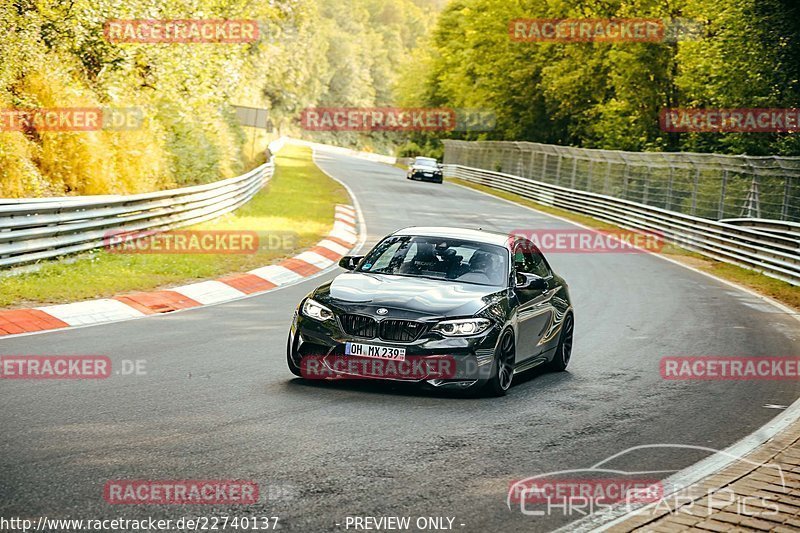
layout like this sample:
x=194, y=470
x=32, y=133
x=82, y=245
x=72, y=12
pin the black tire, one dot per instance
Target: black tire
x=564, y=349
x=503, y=365
x=290, y=350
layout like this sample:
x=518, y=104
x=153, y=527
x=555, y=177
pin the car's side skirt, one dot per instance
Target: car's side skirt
x=531, y=363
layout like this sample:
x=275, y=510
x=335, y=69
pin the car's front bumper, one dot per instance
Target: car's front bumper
x=437, y=178
x=472, y=357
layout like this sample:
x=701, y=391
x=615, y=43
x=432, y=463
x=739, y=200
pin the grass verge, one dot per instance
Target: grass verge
x=781, y=291
x=299, y=198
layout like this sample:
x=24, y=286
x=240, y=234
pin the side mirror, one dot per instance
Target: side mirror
x=527, y=281
x=349, y=262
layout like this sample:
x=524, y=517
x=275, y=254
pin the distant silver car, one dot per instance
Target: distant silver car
x=425, y=169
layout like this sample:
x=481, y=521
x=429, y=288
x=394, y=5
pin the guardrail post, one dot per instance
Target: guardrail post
x=752, y=206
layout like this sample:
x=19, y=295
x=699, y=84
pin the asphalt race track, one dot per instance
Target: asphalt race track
x=217, y=401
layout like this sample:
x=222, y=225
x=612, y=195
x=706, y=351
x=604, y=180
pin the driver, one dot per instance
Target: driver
x=483, y=268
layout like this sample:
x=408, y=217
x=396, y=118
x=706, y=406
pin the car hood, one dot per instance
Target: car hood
x=363, y=292
x=426, y=169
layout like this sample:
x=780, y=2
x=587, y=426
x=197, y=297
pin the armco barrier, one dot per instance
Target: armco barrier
x=774, y=254
x=36, y=229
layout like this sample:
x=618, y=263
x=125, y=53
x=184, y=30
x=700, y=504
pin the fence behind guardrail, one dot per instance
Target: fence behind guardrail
x=770, y=247
x=710, y=186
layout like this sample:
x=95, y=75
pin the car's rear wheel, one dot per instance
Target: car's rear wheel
x=291, y=353
x=564, y=348
x=503, y=366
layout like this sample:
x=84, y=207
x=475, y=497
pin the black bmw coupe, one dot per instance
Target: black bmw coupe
x=449, y=307
x=425, y=169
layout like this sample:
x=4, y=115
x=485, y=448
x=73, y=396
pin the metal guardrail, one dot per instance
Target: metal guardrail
x=713, y=186
x=774, y=254
x=35, y=229
x=784, y=227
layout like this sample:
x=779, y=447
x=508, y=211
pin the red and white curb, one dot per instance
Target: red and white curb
x=326, y=253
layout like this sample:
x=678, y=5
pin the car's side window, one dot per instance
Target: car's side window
x=527, y=259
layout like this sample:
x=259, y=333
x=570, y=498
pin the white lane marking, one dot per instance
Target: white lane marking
x=209, y=292
x=91, y=312
x=276, y=274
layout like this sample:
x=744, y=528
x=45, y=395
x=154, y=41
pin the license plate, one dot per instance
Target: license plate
x=428, y=173
x=375, y=352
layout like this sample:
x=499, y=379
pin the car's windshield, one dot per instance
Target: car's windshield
x=439, y=258
x=425, y=162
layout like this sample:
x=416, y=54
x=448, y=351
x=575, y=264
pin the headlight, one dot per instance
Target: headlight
x=317, y=311
x=462, y=327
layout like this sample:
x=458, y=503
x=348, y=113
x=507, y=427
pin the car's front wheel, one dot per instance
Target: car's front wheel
x=503, y=366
